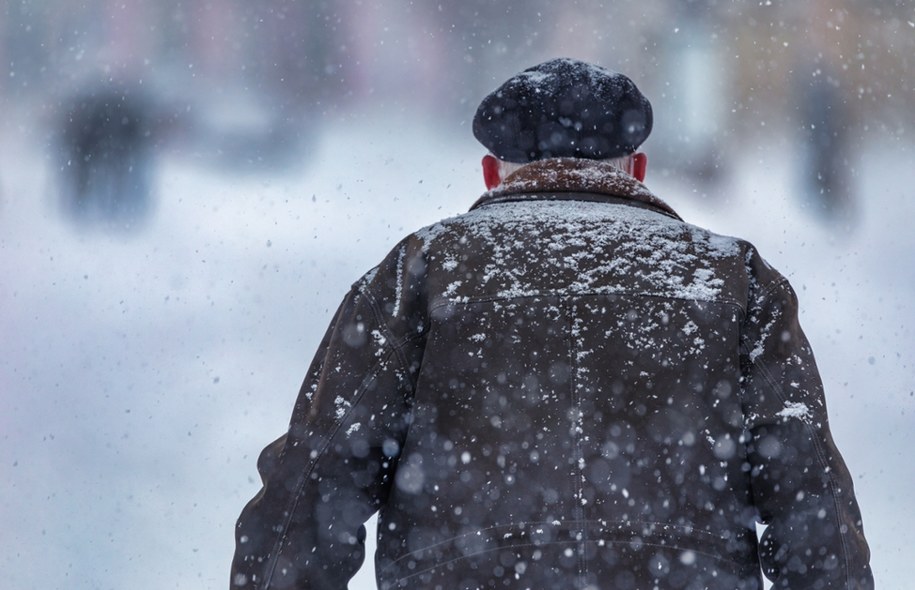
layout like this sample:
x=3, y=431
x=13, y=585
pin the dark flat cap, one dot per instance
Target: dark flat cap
x=563, y=108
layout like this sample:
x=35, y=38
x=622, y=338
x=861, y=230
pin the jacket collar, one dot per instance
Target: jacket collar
x=574, y=179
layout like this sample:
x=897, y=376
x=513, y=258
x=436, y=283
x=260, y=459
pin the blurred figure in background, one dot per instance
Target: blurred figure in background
x=822, y=93
x=697, y=95
x=105, y=155
x=827, y=168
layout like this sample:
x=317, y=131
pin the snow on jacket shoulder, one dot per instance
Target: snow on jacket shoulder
x=567, y=386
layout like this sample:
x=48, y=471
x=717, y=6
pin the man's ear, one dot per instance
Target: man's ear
x=639, y=166
x=491, y=172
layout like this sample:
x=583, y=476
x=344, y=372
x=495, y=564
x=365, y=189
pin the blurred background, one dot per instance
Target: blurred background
x=188, y=188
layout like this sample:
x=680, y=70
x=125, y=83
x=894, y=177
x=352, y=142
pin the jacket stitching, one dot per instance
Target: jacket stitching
x=391, y=340
x=300, y=484
x=835, y=501
x=612, y=541
x=820, y=452
x=821, y=457
x=579, y=475
x=687, y=531
x=561, y=294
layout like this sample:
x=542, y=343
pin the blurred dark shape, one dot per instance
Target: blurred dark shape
x=106, y=155
x=239, y=133
x=694, y=101
x=825, y=127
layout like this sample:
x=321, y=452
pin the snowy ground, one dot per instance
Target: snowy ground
x=141, y=373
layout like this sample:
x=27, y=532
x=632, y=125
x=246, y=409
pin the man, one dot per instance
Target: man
x=106, y=154
x=566, y=387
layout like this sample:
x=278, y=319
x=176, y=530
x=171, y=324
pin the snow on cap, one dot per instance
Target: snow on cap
x=563, y=108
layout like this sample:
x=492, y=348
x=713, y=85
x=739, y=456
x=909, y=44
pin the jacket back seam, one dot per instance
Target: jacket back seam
x=444, y=302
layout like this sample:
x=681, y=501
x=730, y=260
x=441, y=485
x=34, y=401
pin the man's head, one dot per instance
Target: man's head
x=563, y=108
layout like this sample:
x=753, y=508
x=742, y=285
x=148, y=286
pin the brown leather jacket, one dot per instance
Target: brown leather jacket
x=566, y=387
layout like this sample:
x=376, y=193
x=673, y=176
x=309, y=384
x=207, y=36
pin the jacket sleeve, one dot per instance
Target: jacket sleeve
x=331, y=471
x=800, y=484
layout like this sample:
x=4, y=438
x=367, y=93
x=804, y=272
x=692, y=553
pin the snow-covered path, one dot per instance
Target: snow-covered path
x=140, y=374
